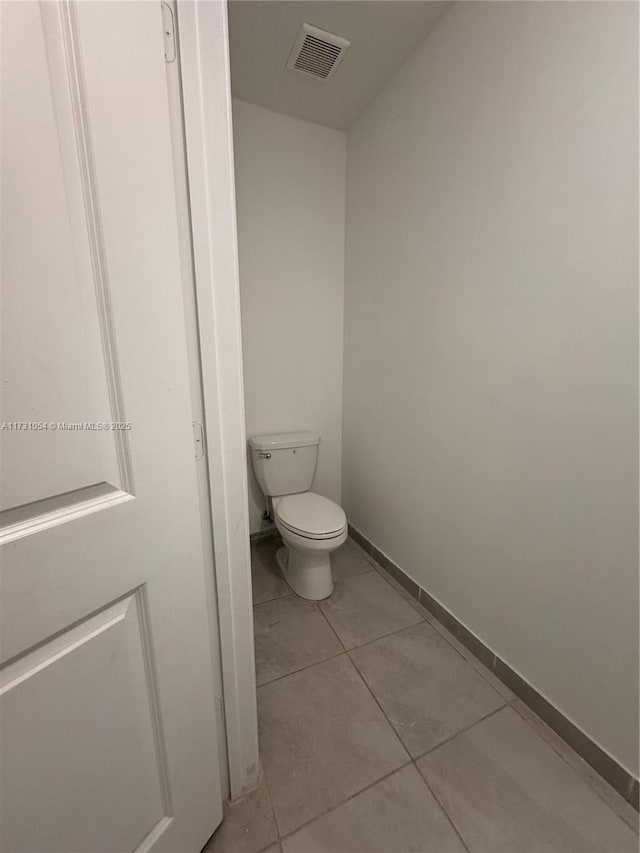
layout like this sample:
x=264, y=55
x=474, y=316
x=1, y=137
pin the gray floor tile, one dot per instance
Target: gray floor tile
x=267, y=581
x=248, y=825
x=349, y=560
x=275, y=848
x=486, y=673
x=506, y=790
x=323, y=738
x=397, y=815
x=619, y=805
x=290, y=634
x=365, y=607
x=421, y=609
x=425, y=688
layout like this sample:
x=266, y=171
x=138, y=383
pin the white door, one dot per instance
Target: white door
x=107, y=720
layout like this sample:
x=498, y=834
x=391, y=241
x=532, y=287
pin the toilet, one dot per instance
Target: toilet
x=311, y=526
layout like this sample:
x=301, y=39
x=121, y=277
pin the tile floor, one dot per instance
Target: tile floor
x=380, y=732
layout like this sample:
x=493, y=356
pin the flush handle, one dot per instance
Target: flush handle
x=263, y=455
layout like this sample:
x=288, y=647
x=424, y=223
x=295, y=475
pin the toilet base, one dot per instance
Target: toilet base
x=308, y=574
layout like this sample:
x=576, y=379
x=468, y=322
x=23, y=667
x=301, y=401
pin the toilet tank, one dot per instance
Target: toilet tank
x=284, y=463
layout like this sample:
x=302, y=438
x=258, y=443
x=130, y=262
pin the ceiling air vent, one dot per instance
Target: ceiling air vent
x=316, y=52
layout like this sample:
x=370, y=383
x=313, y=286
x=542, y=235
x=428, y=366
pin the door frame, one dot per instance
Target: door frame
x=206, y=92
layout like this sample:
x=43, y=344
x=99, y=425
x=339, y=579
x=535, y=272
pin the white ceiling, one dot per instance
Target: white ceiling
x=383, y=33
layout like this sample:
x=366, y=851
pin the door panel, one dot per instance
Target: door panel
x=52, y=341
x=107, y=713
x=100, y=663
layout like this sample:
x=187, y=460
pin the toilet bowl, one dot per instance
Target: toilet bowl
x=311, y=527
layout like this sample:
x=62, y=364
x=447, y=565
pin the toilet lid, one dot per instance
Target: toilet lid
x=311, y=515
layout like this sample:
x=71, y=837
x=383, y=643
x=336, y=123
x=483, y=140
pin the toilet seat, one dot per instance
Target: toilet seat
x=311, y=516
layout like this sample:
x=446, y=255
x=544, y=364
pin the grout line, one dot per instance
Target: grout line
x=443, y=810
x=286, y=594
x=461, y=732
x=375, y=699
x=326, y=619
x=273, y=811
x=347, y=799
x=385, y=636
x=301, y=669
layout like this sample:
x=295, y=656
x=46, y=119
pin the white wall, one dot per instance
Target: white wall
x=290, y=185
x=491, y=388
